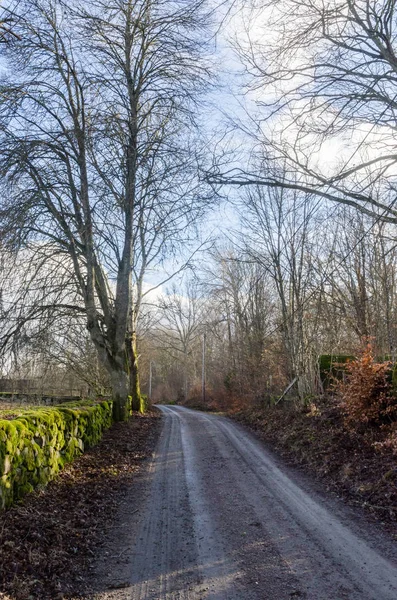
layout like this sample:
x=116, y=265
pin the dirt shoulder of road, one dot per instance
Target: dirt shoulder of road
x=51, y=543
x=347, y=463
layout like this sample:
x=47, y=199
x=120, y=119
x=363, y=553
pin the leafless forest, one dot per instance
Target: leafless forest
x=198, y=210
x=197, y=199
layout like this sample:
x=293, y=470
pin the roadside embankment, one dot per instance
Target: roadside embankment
x=349, y=463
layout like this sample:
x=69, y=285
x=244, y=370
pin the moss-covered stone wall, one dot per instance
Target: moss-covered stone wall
x=332, y=367
x=37, y=444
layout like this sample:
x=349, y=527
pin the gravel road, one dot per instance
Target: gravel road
x=224, y=520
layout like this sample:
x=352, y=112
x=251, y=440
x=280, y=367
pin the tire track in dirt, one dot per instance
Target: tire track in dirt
x=223, y=521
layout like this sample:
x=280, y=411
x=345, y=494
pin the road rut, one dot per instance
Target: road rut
x=223, y=521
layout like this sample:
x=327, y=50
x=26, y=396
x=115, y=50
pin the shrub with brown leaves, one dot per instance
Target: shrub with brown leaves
x=366, y=395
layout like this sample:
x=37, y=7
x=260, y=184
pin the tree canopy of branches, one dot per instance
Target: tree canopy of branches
x=96, y=159
x=321, y=77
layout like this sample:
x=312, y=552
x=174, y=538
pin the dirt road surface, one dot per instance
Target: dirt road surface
x=225, y=520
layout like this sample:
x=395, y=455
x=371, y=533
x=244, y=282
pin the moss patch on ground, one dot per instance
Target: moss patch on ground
x=347, y=462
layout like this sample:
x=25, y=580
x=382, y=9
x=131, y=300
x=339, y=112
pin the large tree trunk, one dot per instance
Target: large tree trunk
x=116, y=365
x=119, y=382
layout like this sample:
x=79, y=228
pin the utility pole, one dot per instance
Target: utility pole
x=203, y=369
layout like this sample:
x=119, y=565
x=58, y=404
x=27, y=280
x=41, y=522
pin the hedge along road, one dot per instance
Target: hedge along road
x=224, y=520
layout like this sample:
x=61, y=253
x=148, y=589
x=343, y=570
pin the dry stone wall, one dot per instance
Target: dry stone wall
x=37, y=444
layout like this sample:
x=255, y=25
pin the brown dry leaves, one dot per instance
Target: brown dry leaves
x=47, y=544
x=346, y=461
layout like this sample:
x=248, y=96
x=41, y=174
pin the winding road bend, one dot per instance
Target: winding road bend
x=224, y=521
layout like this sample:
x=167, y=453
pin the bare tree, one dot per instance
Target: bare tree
x=322, y=75
x=95, y=98
x=181, y=323
x=359, y=281
x=280, y=235
x=240, y=318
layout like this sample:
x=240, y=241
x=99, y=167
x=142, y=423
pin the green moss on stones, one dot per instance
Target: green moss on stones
x=36, y=445
x=332, y=367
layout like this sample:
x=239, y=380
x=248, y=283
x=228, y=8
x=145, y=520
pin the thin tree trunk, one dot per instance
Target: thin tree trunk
x=138, y=404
